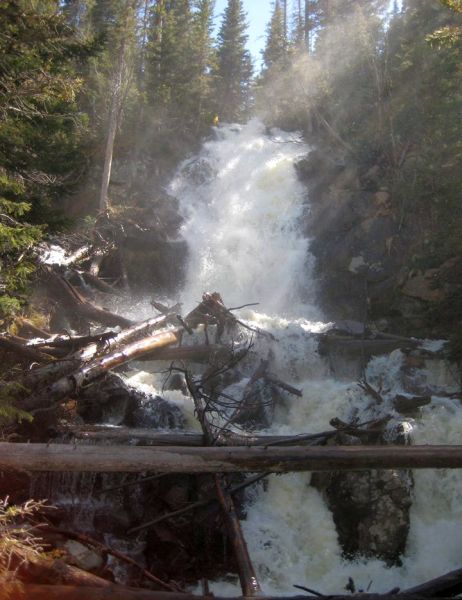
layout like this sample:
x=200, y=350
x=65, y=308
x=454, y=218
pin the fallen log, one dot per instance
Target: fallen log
x=48, y=570
x=89, y=541
x=156, y=438
x=449, y=584
x=247, y=577
x=22, y=351
x=283, y=385
x=77, y=305
x=174, y=459
x=19, y=591
x=31, y=329
x=70, y=384
x=99, y=284
x=199, y=504
x=199, y=353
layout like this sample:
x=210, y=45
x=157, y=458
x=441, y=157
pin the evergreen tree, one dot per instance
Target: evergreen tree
x=233, y=71
x=202, y=60
x=41, y=132
x=275, y=52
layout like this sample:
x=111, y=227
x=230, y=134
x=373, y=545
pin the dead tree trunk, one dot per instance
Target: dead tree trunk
x=174, y=459
x=247, y=577
x=70, y=384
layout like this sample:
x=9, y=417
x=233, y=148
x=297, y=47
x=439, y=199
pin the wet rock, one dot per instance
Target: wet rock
x=257, y=408
x=112, y=401
x=406, y=405
x=423, y=287
x=370, y=509
x=82, y=556
x=155, y=412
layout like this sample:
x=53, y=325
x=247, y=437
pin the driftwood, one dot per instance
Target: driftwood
x=57, y=571
x=196, y=505
x=70, y=384
x=173, y=459
x=22, y=351
x=78, y=305
x=247, y=577
x=19, y=591
x=449, y=584
x=180, y=438
x=31, y=329
x=89, y=541
x=283, y=385
x=198, y=353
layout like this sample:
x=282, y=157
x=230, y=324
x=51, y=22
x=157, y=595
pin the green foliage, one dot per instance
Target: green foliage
x=9, y=412
x=41, y=133
x=275, y=52
x=233, y=70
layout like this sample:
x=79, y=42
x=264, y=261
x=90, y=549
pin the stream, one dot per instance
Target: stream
x=244, y=207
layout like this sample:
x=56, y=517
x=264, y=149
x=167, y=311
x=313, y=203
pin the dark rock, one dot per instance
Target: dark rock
x=409, y=404
x=370, y=510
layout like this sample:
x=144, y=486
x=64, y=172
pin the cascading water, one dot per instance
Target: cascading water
x=243, y=206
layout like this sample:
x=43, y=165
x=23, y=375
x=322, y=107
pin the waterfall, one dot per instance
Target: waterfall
x=243, y=208
x=243, y=205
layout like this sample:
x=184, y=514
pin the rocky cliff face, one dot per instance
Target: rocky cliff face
x=367, y=254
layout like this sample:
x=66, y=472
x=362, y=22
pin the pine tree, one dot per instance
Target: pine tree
x=234, y=67
x=41, y=132
x=202, y=60
x=297, y=37
x=275, y=52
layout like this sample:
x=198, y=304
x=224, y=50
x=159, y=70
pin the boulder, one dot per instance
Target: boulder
x=423, y=287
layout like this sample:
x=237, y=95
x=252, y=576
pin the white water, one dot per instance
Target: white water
x=243, y=205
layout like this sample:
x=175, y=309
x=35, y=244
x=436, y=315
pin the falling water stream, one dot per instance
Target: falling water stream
x=244, y=209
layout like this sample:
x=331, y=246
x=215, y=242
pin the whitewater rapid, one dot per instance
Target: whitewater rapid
x=244, y=209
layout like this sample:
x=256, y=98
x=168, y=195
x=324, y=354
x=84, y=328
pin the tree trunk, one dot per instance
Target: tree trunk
x=173, y=459
x=116, y=104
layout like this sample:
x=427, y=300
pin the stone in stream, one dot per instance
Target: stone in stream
x=370, y=508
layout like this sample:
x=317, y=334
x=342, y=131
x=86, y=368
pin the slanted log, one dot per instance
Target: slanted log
x=174, y=459
x=104, y=550
x=449, y=584
x=48, y=570
x=283, y=385
x=78, y=305
x=247, y=577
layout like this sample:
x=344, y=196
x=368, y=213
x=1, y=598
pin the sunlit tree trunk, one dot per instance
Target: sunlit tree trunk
x=112, y=129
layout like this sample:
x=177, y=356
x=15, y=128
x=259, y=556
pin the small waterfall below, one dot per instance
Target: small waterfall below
x=244, y=207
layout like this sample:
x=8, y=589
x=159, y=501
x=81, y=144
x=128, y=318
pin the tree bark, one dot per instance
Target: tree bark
x=174, y=459
x=156, y=438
